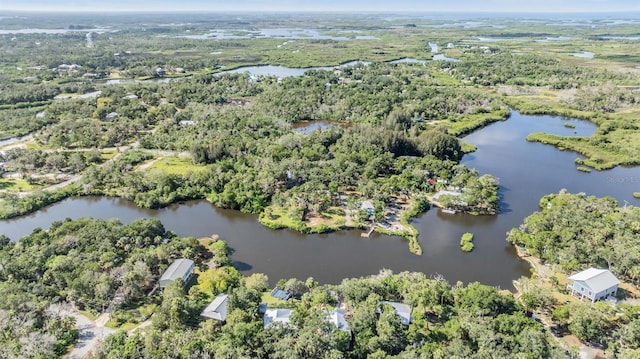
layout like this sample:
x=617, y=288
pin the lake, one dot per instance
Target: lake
x=526, y=171
x=584, y=54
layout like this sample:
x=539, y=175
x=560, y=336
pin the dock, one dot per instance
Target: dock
x=368, y=234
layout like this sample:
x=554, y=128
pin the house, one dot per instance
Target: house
x=280, y=294
x=277, y=316
x=336, y=317
x=180, y=268
x=594, y=284
x=369, y=207
x=111, y=116
x=217, y=309
x=401, y=309
x=446, y=193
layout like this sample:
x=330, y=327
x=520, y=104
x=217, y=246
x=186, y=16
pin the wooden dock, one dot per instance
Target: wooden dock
x=368, y=234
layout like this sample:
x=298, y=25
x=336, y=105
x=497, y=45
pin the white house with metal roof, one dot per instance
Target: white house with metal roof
x=180, y=268
x=277, y=316
x=217, y=309
x=594, y=284
x=336, y=317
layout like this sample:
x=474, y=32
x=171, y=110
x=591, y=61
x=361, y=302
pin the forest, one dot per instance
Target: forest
x=87, y=262
x=572, y=232
x=578, y=231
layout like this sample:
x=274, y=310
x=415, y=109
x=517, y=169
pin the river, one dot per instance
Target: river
x=526, y=171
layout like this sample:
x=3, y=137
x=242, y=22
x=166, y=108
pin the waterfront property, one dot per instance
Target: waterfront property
x=180, y=269
x=368, y=207
x=280, y=294
x=336, y=317
x=401, y=309
x=277, y=316
x=594, y=284
x=218, y=308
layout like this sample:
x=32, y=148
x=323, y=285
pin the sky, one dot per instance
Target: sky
x=545, y=6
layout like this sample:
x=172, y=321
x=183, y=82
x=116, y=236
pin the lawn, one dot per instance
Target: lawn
x=176, y=165
x=15, y=185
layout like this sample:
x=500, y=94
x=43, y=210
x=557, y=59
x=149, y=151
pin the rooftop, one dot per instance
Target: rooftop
x=178, y=269
x=597, y=279
x=217, y=309
x=280, y=294
x=402, y=310
x=277, y=316
x=336, y=317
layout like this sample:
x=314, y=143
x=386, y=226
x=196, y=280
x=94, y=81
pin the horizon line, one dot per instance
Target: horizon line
x=210, y=11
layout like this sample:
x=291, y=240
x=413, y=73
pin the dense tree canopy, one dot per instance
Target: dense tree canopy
x=578, y=232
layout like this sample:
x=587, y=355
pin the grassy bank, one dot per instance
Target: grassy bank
x=334, y=219
x=616, y=142
x=331, y=220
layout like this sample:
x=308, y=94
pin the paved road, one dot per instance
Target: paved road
x=91, y=334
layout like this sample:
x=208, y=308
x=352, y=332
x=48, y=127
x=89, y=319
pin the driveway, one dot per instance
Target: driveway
x=91, y=335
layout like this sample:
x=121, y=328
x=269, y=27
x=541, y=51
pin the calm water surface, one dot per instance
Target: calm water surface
x=526, y=170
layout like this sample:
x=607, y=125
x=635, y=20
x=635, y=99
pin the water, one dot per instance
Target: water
x=284, y=33
x=555, y=38
x=441, y=57
x=282, y=71
x=270, y=70
x=526, y=171
x=630, y=38
x=584, y=54
x=408, y=60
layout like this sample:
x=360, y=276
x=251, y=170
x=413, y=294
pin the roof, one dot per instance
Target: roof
x=217, y=309
x=280, y=294
x=596, y=279
x=443, y=193
x=367, y=205
x=178, y=269
x=277, y=316
x=336, y=317
x=401, y=309
x=111, y=115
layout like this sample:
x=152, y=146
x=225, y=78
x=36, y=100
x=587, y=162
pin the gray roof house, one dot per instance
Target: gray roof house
x=111, y=116
x=401, y=309
x=180, y=268
x=336, y=317
x=218, y=308
x=277, y=316
x=594, y=284
x=280, y=294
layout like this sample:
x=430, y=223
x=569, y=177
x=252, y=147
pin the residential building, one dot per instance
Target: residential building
x=594, y=284
x=181, y=268
x=336, y=317
x=282, y=316
x=401, y=309
x=218, y=308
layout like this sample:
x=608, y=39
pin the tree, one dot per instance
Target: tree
x=257, y=281
x=391, y=337
x=219, y=280
x=588, y=322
